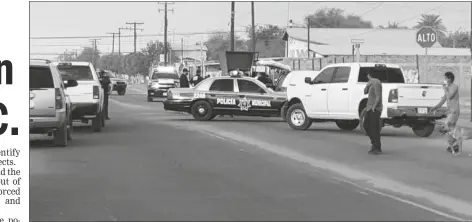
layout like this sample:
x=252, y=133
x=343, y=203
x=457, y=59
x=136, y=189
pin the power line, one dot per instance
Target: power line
x=113, y=44
x=372, y=9
x=134, y=24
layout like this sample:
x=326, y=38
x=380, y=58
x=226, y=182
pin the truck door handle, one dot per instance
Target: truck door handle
x=345, y=89
x=323, y=89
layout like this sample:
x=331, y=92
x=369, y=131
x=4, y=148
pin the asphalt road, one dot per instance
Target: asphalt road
x=154, y=165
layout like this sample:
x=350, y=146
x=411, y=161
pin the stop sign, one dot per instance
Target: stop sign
x=426, y=37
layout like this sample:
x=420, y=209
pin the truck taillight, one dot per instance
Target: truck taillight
x=58, y=98
x=96, y=93
x=393, y=96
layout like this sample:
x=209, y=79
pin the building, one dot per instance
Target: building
x=191, y=51
x=337, y=41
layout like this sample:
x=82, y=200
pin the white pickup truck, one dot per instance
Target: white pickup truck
x=337, y=94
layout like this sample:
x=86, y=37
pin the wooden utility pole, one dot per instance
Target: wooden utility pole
x=94, y=42
x=253, y=28
x=165, y=29
x=135, y=36
x=182, y=50
x=232, y=25
x=308, y=39
x=113, y=42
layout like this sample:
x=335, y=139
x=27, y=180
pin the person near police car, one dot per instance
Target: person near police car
x=197, y=78
x=184, y=79
x=105, y=82
x=373, y=111
x=451, y=98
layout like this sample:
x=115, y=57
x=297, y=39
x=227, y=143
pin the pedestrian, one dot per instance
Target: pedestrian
x=106, y=89
x=372, y=112
x=197, y=78
x=451, y=98
x=184, y=79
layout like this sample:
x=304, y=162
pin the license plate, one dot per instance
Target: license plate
x=164, y=94
x=423, y=110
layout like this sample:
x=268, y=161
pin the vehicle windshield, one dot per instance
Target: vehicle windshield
x=110, y=74
x=161, y=75
x=385, y=75
x=75, y=72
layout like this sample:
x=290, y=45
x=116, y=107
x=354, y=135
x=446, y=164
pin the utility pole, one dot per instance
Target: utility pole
x=253, y=28
x=232, y=25
x=113, y=42
x=134, y=24
x=308, y=41
x=165, y=29
x=94, y=42
x=470, y=47
x=182, y=50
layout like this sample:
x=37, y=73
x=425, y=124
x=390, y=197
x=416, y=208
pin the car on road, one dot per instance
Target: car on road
x=225, y=95
x=337, y=94
x=88, y=96
x=50, y=107
x=118, y=84
x=161, y=79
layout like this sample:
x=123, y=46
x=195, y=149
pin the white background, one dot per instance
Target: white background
x=14, y=38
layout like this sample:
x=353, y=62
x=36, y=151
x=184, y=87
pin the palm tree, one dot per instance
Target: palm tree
x=431, y=20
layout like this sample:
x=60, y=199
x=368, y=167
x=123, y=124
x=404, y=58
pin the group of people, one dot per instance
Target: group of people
x=374, y=109
x=184, y=78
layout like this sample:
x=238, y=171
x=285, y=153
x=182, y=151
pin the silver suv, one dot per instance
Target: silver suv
x=50, y=110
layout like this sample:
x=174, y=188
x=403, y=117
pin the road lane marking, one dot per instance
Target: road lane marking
x=377, y=182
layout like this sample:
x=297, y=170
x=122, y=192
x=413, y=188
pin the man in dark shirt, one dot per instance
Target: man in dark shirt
x=196, y=79
x=105, y=82
x=373, y=110
x=184, y=79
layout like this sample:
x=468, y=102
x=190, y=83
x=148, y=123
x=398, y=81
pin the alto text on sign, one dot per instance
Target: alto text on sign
x=426, y=37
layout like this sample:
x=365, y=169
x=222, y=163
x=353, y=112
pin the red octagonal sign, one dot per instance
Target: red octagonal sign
x=426, y=37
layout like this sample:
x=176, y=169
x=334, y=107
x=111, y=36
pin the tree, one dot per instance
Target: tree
x=435, y=22
x=458, y=39
x=335, y=18
x=221, y=43
x=89, y=55
x=269, y=42
x=394, y=25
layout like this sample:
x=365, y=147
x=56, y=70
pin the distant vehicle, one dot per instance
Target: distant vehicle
x=50, y=108
x=88, y=96
x=337, y=94
x=118, y=84
x=235, y=95
x=161, y=80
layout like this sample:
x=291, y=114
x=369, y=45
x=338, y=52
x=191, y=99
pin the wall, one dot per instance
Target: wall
x=461, y=66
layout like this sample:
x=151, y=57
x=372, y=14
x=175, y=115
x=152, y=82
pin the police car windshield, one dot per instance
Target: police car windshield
x=162, y=75
x=111, y=75
x=75, y=72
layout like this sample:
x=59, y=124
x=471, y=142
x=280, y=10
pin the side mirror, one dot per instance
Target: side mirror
x=71, y=83
x=307, y=80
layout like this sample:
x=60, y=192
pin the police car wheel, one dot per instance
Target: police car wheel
x=347, y=125
x=297, y=118
x=202, y=111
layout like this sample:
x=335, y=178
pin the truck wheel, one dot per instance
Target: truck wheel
x=202, y=111
x=60, y=135
x=361, y=122
x=348, y=125
x=423, y=130
x=297, y=118
x=70, y=129
x=97, y=123
x=122, y=92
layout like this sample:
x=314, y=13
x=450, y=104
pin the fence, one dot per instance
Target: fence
x=413, y=67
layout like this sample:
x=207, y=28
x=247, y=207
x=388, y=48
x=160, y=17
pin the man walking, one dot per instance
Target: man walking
x=372, y=112
x=451, y=96
x=106, y=89
x=184, y=79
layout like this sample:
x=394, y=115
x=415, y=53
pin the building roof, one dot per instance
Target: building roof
x=337, y=41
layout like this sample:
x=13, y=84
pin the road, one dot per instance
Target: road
x=149, y=164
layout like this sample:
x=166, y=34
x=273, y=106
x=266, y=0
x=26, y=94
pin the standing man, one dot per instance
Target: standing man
x=451, y=96
x=105, y=82
x=197, y=79
x=372, y=112
x=184, y=79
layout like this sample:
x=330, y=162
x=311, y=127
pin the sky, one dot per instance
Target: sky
x=82, y=19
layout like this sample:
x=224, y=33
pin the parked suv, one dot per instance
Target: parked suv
x=88, y=95
x=50, y=111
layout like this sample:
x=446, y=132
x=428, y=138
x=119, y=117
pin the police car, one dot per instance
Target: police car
x=226, y=95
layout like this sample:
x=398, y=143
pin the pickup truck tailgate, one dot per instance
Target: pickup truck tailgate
x=419, y=95
x=82, y=93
